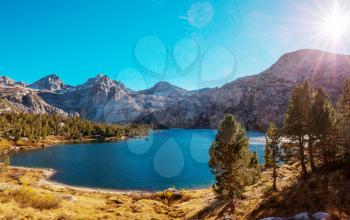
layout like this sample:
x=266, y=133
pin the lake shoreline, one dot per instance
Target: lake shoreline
x=53, y=141
x=140, y=154
x=85, y=203
x=49, y=172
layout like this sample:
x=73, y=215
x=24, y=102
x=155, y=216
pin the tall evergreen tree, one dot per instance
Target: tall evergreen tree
x=267, y=155
x=344, y=111
x=296, y=120
x=231, y=162
x=322, y=122
x=273, y=146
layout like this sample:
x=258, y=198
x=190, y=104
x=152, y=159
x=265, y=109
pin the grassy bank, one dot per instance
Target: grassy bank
x=24, y=194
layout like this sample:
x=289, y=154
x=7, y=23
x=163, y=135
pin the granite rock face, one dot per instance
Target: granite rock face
x=6, y=81
x=51, y=83
x=255, y=100
x=21, y=99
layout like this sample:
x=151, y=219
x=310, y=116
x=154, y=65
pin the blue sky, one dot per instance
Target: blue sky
x=192, y=44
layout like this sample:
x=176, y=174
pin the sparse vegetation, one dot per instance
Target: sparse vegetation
x=5, y=163
x=27, y=196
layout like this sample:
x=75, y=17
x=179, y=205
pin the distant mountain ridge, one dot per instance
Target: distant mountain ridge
x=255, y=100
x=51, y=83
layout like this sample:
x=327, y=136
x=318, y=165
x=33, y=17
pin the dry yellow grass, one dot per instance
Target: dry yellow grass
x=5, y=144
x=28, y=196
x=23, y=195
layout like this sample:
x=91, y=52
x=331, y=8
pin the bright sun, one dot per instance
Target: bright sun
x=336, y=25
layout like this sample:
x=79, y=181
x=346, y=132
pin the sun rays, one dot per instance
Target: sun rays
x=335, y=23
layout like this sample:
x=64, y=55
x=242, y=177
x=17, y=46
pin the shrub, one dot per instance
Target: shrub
x=29, y=197
x=5, y=163
x=170, y=195
x=5, y=144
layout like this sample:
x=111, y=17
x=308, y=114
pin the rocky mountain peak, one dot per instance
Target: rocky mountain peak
x=6, y=81
x=51, y=83
x=100, y=80
x=164, y=89
x=256, y=100
x=310, y=64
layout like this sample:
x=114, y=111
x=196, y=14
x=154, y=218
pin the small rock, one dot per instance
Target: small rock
x=117, y=201
x=174, y=191
x=301, y=216
x=273, y=218
x=15, y=148
x=69, y=198
x=321, y=216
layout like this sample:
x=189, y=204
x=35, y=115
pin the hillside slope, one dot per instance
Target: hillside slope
x=255, y=100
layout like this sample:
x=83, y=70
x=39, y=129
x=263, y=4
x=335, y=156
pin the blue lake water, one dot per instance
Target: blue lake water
x=165, y=158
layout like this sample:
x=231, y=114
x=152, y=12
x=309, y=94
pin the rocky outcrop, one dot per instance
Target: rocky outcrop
x=164, y=89
x=103, y=99
x=20, y=99
x=256, y=100
x=50, y=83
x=6, y=81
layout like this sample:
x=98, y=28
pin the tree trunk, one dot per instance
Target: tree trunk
x=324, y=155
x=302, y=157
x=274, y=186
x=233, y=207
x=311, y=155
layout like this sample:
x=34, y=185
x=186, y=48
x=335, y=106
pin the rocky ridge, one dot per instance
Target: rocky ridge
x=255, y=100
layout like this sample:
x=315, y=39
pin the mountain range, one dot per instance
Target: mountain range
x=255, y=100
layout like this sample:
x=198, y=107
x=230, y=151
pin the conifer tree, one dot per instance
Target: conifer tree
x=267, y=155
x=38, y=126
x=296, y=120
x=344, y=111
x=231, y=162
x=273, y=146
x=322, y=123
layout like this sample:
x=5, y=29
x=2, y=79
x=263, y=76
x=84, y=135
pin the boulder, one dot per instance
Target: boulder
x=321, y=216
x=301, y=216
x=274, y=218
x=69, y=198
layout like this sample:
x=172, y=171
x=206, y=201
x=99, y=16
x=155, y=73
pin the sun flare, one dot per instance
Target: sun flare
x=336, y=25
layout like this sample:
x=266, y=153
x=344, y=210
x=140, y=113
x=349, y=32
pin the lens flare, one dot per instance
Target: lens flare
x=336, y=25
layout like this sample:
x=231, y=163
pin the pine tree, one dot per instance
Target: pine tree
x=273, y=146
x=231, y=162
x=344, y=111
x=296, y=120
x=310, y=135
x=322, y=123
x=267, y=155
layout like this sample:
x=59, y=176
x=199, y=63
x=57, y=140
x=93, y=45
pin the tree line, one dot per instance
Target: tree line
x=38, y=126
x=314, y=133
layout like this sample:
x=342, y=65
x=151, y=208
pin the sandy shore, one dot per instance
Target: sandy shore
x=50, y=172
